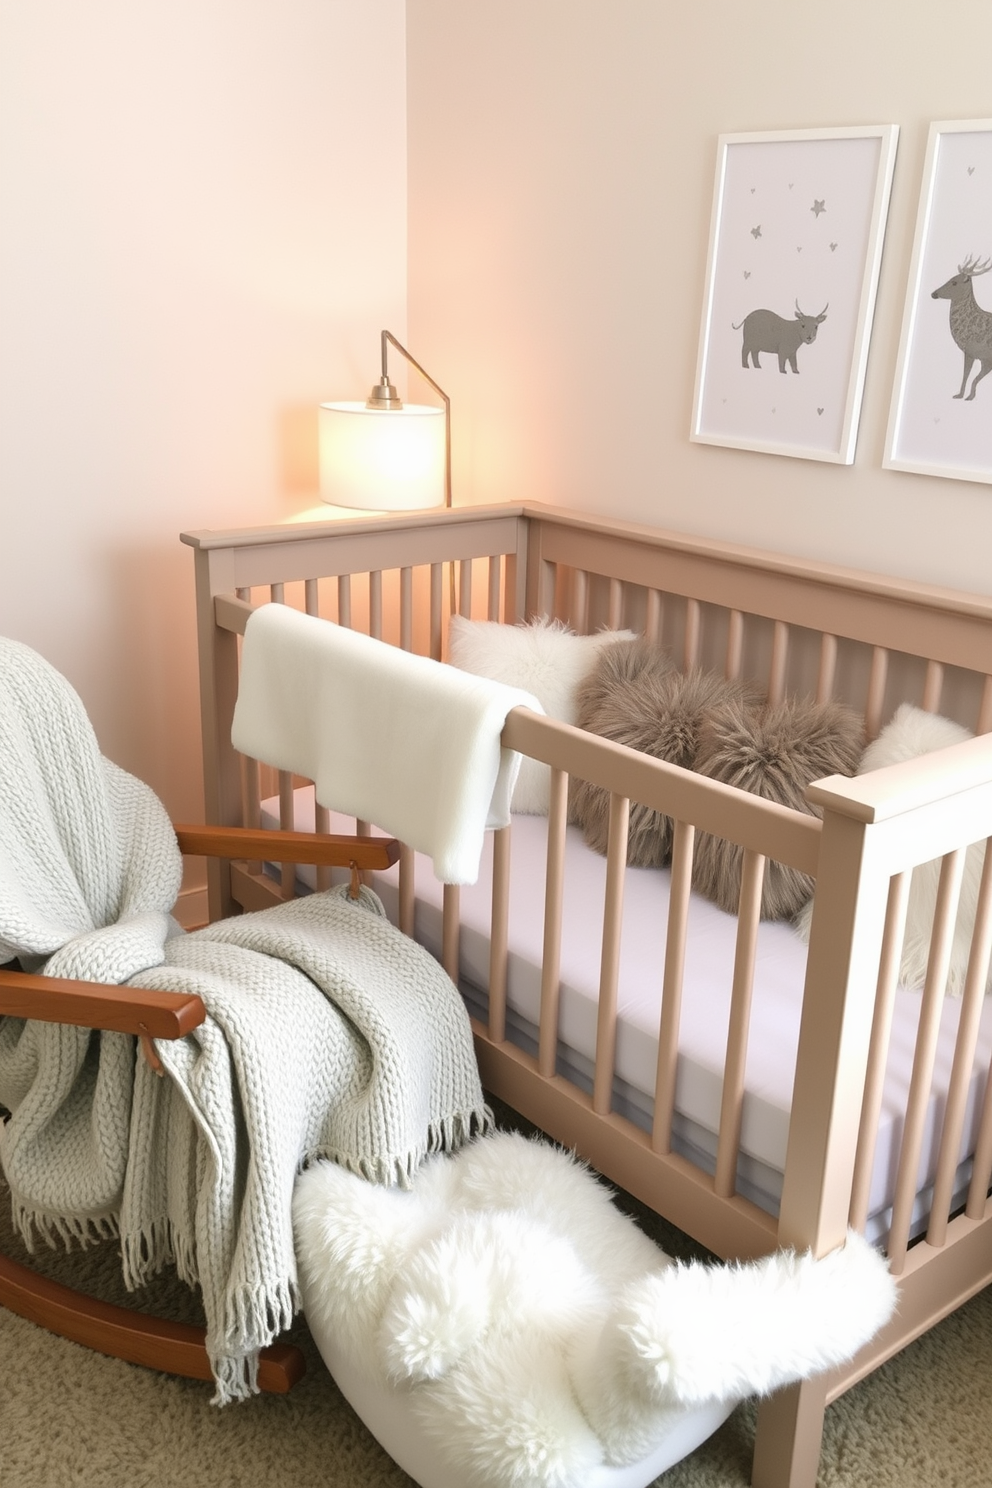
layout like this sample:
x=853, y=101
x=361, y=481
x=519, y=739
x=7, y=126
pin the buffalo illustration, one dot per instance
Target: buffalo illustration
x=766, y=331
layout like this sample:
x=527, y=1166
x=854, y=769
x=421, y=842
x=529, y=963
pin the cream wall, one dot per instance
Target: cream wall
x=202, y=231
x=562, y=157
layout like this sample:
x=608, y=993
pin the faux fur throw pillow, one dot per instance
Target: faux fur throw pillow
x=774, y=752
x=635, y=695
x=911, y=733
x=545, y=658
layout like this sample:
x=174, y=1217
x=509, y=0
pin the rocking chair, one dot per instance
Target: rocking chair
x=121, y=1332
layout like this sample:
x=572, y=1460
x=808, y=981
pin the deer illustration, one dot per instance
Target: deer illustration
x=971, y=326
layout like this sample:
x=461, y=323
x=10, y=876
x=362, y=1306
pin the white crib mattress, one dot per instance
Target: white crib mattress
x=780, y=968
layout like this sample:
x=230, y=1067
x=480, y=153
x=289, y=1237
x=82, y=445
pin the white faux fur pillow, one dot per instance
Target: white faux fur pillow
x=910, y=733
x=544, y=658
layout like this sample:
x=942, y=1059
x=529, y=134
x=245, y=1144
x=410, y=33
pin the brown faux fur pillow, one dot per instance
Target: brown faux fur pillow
x=774, y=752
x=635, y=695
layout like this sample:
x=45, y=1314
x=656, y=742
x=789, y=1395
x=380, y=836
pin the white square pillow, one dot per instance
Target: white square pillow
x=911, y=732
x=546, y=659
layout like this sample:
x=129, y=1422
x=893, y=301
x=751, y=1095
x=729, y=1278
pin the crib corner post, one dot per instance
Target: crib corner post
x=789, y=1436
x=218, y=667
x=831, y=1066
x=835, y=1027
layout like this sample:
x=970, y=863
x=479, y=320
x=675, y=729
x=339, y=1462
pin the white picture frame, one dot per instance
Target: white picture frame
x=937, y=425
x=796, y=236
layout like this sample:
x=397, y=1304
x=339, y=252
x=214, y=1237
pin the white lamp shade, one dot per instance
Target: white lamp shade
x=382, y=459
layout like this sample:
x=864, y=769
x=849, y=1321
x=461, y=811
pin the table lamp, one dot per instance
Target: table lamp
x=384, y=455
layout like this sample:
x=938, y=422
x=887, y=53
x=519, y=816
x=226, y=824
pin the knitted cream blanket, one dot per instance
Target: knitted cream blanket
x=328, y=1034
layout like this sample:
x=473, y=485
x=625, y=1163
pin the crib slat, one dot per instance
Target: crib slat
x=287, y=871
x=465, y=588
x=311, y=596
x=780, y=657
x=499, y=938
x=322, y=823
x=735, y=645
x=653, y=615
x=985, y=711
x=693, y=618
x=547, y=1049
x=406, y=609
x=981, y=1175
x=251, y=801
x=375, y=605
x=437, y=608
x=560, y=590
x=972, y=1002
x=450, y=927
x=287, y=820
x=828, y=668
x=671, y=992
x=245, y=594
x=876, y=691
x=408, y=887
x=924, y=1056
x=606, y=1025
x=580, y=600
x=344, y=600
x=546, y=576
x=614, y=616
x=732, y=1103
x=878, y=1049
x=932, y=687
x=495, y=586
x=251, y=796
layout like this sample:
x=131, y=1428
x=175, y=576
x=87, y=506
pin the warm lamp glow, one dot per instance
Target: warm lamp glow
x=382, y=460
x=382, y=456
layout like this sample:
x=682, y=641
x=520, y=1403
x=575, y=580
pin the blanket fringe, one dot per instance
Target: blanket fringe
x=146, y=1253
x=447, y=1135
x=33, y=1225
x=250, y=1314
x=235, y=1377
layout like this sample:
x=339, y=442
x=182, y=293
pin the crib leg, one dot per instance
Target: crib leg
x=790, y=1431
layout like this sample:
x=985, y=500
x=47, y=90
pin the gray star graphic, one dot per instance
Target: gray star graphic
x=817, y=207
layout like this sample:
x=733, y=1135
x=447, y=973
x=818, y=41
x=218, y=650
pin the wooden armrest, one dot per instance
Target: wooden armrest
x=164, y=1015
x=335, y=851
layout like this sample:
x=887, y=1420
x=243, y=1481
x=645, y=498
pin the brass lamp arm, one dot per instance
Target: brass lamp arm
x=384, y=396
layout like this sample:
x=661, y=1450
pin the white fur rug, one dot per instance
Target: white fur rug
x=508, y=1327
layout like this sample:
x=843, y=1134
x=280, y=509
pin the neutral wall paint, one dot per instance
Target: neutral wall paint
x=562, y=159
x=202, y=231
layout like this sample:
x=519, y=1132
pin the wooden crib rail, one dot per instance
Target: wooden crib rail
x=945, y=625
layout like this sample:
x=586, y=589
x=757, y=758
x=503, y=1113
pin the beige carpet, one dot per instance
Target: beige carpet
x=72, y=1419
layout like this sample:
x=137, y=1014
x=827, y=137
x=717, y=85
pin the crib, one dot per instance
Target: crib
x=796, y=627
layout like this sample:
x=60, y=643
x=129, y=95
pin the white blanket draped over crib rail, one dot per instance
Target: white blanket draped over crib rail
x=328, y=1034
x=386, y=736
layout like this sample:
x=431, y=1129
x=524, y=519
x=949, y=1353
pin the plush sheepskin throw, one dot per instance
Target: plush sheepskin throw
x=774, y=752
x=911, y=732
x=635, y=695
x=545, y=658
x=534, y=1332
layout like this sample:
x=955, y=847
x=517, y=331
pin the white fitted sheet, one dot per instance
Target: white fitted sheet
x=776, y=1005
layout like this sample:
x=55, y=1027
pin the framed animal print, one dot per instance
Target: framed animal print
x=796, y=238
x=941, y=417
